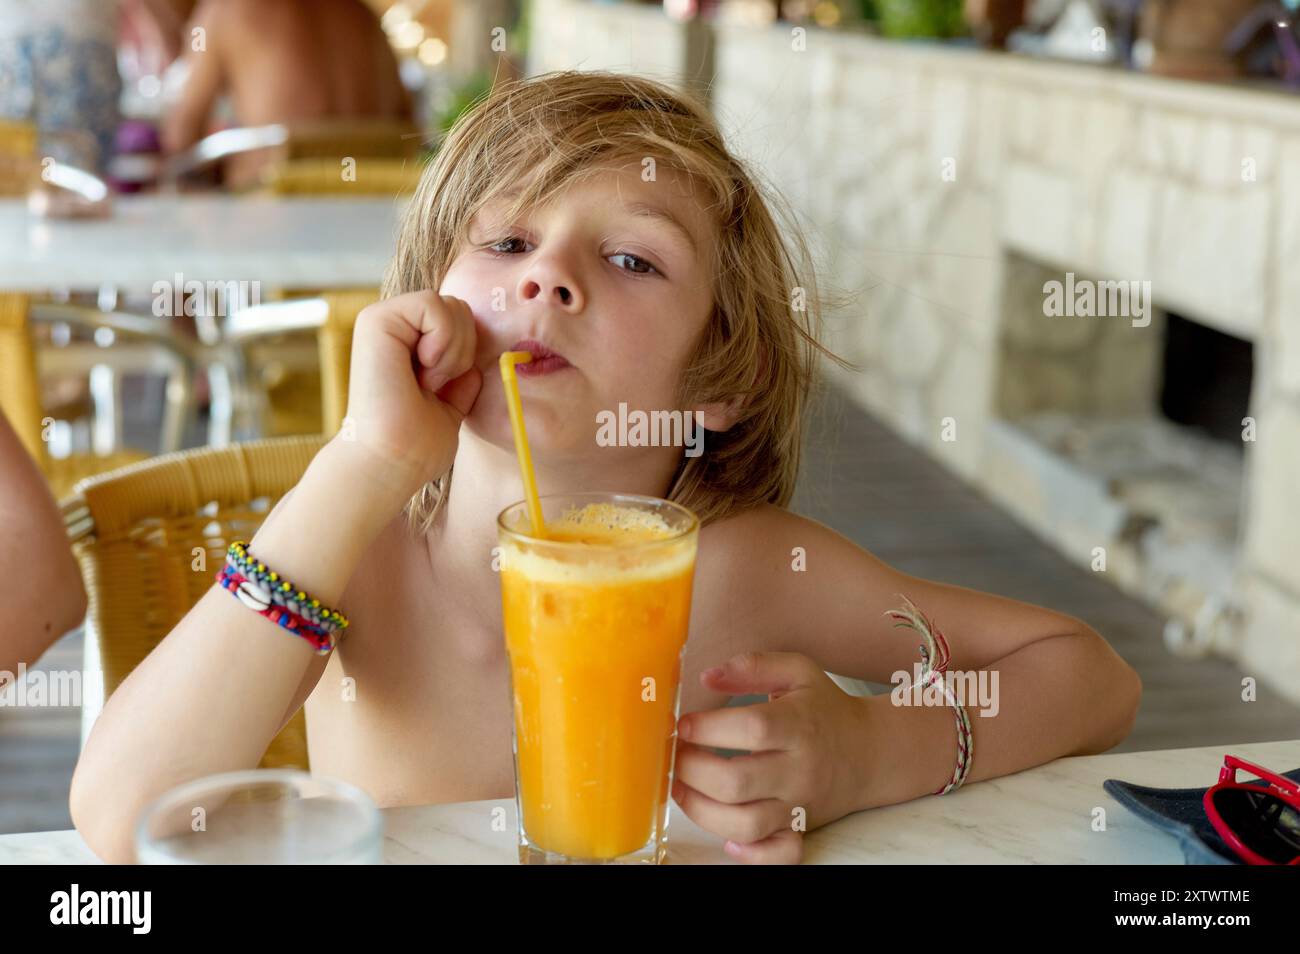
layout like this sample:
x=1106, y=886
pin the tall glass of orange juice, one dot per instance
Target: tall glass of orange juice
x=596, y=612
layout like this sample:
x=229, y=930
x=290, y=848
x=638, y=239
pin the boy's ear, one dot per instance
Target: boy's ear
x=720, y=415
x=723, y=415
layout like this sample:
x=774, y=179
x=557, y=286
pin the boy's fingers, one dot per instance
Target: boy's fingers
x=782, y=848
x=458, y=307
x=405, y=317
x=444, y=322
x=456, y=358
x=434, y=380
x=461, y=392
x=735, y=780
x=439, y=342
x=432, y=346
x=758, y=728
x=746, y=823
x=451, y=350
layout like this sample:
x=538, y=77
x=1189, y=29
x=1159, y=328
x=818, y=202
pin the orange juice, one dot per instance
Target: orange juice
x=596, y=618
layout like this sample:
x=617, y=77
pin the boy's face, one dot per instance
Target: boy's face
x=602, y=277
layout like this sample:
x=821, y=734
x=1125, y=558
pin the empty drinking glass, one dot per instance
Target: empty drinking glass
x=263, y=816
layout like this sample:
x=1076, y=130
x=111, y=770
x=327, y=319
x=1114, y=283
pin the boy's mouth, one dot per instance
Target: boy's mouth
x=545, y=361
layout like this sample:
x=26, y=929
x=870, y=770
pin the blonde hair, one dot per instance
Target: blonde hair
x=758, y=348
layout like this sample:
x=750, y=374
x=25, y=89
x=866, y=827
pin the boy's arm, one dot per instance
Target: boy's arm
x=1061, y=690
x=833, y=609
x=212, y=695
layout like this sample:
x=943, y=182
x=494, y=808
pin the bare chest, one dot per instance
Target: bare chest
x=415, y=705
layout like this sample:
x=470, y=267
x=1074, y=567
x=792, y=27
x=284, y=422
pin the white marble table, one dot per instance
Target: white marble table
x=1043, y=815
x=306, y=242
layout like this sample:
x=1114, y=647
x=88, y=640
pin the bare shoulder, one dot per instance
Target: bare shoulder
x=782, y=566
x=746, y=526
x=740, y=571
x=767, y=538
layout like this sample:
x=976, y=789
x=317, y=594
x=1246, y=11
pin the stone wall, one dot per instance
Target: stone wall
x=939, y=185
x=571, y=34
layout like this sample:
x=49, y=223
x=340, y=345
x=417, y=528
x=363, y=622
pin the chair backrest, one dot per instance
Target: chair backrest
x=332, y=140
x=335, y=340
x=19, y=164
x=20, y=389
x=365, y=176
x=336, y=138
x=303, y=388
x=20, y=383
x=150, y=538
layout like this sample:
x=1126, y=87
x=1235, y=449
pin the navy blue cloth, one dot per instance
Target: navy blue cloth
x=1180, y=812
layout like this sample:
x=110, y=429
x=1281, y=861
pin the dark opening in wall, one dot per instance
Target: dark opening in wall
x=1206, y=378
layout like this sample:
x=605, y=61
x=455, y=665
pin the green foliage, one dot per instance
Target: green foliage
x=465, y=95
x=921, y=18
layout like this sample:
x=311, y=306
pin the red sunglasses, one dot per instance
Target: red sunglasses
x=1261, y=824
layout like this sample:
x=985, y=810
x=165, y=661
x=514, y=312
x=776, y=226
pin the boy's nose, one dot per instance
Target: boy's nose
x=565, y=296
x=549, y=283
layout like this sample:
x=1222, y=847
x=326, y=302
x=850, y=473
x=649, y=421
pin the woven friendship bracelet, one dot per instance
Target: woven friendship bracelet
x=934, y=663
x=281, y=592
x=252, y=596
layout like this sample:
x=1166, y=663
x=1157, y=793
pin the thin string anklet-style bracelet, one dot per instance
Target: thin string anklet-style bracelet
x=934, y=663
x=268, y=594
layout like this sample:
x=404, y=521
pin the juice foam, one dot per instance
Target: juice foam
x=601, y=525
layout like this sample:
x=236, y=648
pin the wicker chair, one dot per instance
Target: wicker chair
x=372, y=176
x=19, y=165
x=138, y=533
x=20, y=389
x=309, y=395
x=300, y=394
x=335, y=339
x=390, y=149
x=332, y=138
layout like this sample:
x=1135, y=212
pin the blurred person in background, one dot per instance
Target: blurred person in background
x=283, y=61
x=155, y=31
x=58, y=70
x=40, y=585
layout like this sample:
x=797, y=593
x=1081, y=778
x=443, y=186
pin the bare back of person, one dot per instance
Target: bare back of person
x=301, y=60
x=285, y=61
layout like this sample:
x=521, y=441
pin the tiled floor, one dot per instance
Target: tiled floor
x=868, y=484
x=38, y=749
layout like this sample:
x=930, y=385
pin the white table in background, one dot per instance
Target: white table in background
x=306, y=242
x=1042, y=815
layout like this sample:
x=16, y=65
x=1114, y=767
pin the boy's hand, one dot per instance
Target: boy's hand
x=806, y=751
x=413, y=380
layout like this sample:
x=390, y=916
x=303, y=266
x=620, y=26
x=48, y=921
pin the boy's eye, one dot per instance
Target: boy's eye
x=638, y=266
x=631, y=263
x=505, y=242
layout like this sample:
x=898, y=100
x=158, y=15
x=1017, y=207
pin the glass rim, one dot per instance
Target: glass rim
x=357, y=796
x=692, y=525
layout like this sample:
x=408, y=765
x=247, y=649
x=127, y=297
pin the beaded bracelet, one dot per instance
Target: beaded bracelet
x=269, y=595
x=280, y=591
x=252, y=596
x=934, y=663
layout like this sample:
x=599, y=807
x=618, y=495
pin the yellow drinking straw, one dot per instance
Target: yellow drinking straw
x=511, y=381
